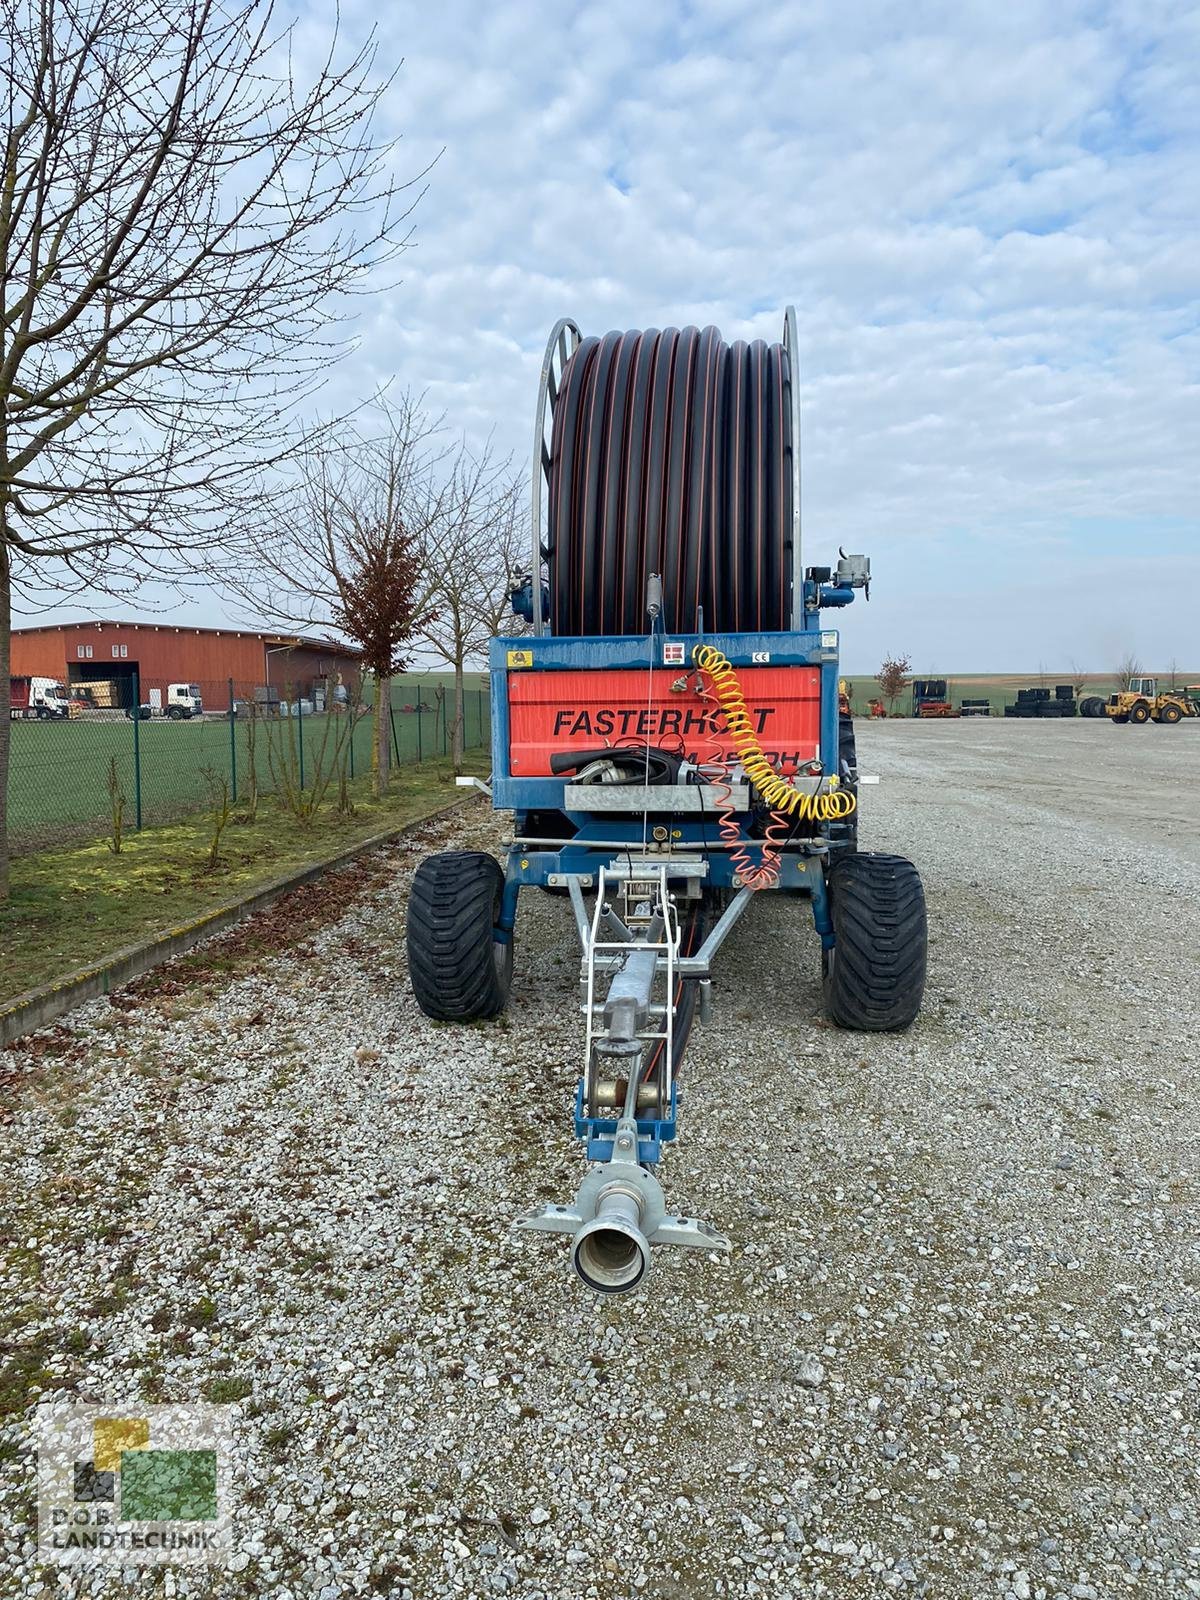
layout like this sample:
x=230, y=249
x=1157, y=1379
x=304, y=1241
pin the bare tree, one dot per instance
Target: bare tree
x=345, y=549
x=468, y=566
x=893, y=678
x=250, y=782
x=216, y=785
x=392, y=539
x=1128, y=668
x=116, y=804
x=302, y=785
x=182, y=220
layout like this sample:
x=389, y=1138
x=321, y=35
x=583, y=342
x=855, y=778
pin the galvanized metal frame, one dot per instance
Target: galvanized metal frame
x=610, y=955
x=623, y=1173
x=607, y=955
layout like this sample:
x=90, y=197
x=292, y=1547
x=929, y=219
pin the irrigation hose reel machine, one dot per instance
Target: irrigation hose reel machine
x=667, y=736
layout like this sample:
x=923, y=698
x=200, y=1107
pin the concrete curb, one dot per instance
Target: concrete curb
x=36, y=1007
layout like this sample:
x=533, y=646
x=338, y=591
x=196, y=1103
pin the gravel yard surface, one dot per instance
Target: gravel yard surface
x=954, y=1352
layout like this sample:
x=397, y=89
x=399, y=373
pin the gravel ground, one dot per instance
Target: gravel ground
x=953, y=1353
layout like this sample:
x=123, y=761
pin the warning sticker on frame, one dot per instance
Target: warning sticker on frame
x=673, y=653
x=520, y=658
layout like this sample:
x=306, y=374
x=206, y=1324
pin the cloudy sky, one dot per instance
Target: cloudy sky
x=986, y=217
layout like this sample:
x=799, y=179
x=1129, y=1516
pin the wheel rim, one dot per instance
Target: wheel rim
x=501, y=948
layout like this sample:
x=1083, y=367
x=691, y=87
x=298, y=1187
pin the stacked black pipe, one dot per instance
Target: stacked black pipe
x=671, y=452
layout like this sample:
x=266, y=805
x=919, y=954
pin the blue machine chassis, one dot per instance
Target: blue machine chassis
x=601, y=838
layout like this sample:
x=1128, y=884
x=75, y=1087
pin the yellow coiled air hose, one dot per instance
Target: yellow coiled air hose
x=831, y=806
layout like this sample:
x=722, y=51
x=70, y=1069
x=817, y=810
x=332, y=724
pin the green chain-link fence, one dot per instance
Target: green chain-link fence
x=66, y=773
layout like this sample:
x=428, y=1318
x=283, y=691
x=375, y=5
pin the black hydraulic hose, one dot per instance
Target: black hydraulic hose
x=698, y=448
x=671, y=452
x=616, y=470
x=732, y=481
x=687, y=991
x=656, y=766
x=679, y=426
x=562, y=513
x=654, y=498
x=592, y=583
x=632, y=553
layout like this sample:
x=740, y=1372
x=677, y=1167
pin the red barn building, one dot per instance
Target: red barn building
x=263, y=666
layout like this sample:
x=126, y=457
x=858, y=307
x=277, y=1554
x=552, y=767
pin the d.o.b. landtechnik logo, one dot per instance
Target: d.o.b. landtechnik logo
x=143, y=1486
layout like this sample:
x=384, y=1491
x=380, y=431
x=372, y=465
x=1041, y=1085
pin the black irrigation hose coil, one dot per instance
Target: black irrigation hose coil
x=671, y=452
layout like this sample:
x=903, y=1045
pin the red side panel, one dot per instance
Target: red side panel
x=553, y=711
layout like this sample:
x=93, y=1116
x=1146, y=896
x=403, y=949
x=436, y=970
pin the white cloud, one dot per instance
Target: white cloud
x=987, y=220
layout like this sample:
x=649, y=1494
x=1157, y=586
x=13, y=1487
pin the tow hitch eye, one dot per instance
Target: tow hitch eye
x=618, y=1213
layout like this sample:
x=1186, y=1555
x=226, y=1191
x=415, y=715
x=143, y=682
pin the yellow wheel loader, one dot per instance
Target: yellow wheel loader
x=1143, y=701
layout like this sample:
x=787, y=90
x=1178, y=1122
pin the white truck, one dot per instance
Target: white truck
x=42, y=698
x=184, y=700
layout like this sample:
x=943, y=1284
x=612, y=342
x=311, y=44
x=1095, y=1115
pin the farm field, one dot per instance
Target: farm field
x=1001, y=688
